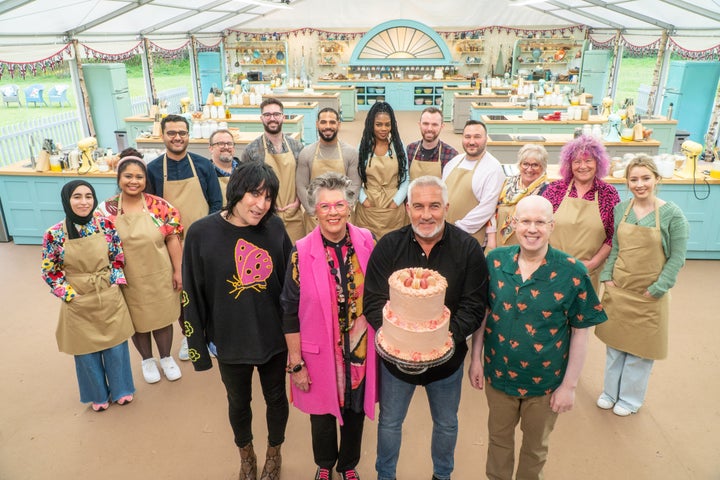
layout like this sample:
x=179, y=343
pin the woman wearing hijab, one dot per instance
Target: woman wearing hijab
x=150, y=230
x=82, y=264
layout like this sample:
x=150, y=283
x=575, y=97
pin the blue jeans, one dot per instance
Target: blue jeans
x=105, y=374
x=444, y=399
x=626, y=379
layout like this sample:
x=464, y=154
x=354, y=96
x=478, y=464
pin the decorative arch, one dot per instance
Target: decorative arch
x=402, y=42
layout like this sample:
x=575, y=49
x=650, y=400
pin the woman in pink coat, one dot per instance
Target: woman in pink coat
x=331, y=347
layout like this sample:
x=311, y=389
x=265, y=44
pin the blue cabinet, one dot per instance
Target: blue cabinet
x=211, y=73
x=691, y=88
x=31, y=203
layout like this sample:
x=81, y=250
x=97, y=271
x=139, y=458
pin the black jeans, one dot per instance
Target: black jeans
x=238, y=384
x=325, y=443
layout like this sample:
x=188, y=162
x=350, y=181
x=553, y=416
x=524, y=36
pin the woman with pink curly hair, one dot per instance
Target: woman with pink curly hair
x=583, y=204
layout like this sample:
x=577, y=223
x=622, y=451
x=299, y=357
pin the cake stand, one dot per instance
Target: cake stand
x=410, y=367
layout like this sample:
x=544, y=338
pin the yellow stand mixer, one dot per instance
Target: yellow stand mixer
x=87, y=146
x=692, y=151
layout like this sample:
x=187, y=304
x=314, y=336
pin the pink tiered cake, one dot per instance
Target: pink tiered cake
x=416, y=321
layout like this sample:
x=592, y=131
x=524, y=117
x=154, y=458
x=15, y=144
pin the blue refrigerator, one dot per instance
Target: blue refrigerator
x=595, y=74
x=109, y=99
x=691, y=88
x=211, y=73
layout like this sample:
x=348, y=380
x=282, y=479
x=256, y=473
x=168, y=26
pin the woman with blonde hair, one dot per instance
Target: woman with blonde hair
x=648, y=250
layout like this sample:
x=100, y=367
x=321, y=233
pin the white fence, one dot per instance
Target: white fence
x=141, y=106
x=19, y=141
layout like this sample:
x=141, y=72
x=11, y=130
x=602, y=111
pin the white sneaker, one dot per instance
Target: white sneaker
x=150, y=371
x=604, y=403
x=621, y=411
x=170, y=368
x=183, y=353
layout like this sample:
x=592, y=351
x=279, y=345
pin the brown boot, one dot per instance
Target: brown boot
x=273, y=460
x=248, y=463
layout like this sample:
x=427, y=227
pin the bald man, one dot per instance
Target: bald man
x=541, y=302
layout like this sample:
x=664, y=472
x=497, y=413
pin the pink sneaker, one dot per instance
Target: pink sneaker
x=125, y=400
x=100, y=407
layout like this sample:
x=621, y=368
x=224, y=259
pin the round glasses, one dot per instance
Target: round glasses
x=325, y=207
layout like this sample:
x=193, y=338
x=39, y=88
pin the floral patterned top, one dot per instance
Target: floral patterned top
x=53, y=264
x=165, y=217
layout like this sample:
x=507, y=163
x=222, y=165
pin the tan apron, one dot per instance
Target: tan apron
x=223, y=181
x=503, y=212
x=320, y=166
x=185, y=195
x=636, y=324
x=381, y=187
x=579, y=230
x=97, y=318
x=284, y=165
x=419, y=168
x=149, y=295
x=461, y=197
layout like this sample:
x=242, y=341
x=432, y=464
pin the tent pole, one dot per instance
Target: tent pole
x=615, y=66
x=195, y=78
x=711, y=139
x=652, y=98
x=148, y=75
x=83, y=98
x=663, y=77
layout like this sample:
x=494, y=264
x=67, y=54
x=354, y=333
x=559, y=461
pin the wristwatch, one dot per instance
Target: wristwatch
x=295, y=368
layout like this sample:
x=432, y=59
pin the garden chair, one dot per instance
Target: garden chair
x=58, y=94
x=10, y=93
x=34, y=95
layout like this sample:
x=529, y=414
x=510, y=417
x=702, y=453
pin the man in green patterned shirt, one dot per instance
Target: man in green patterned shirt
x=534, y=338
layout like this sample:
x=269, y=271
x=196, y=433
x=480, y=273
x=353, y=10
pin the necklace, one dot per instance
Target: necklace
x=347, y=307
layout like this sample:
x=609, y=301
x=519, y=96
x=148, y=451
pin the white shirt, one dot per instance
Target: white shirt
x=487, y=182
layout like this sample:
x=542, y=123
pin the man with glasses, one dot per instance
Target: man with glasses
x=281, y=153
x=186, y=180
x=328, y=154
x=533, y=341
x=222, y=155
x=429, y=242
x=474, y=180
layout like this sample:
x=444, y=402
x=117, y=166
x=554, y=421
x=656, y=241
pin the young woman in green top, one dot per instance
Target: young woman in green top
x=648, y=250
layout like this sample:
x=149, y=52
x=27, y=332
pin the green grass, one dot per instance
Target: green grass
x=167, y=75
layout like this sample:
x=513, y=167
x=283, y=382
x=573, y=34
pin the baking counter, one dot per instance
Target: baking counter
x=201, y=146
x=663, y=129
x=505, y=146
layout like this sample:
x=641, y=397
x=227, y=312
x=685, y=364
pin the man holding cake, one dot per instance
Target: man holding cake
x=414, y=268
x=535, y=340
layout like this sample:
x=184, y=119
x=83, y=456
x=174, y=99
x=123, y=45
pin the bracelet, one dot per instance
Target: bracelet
x=295, y=368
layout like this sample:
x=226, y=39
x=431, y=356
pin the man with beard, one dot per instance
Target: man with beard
x=280, y=152
x=429, y=155
x=429, y=242
x=474, y=180
x=222, y=155
x=186, y=180
x=328, y=154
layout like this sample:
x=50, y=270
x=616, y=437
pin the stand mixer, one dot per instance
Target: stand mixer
x=692, y=151
x=87, y=146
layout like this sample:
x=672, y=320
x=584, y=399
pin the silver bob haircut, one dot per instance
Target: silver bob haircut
x=330, y=181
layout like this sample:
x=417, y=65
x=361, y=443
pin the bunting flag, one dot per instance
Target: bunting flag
x=112, y=57
x=52, y=62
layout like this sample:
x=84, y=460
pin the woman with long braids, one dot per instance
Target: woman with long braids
x=383, y=169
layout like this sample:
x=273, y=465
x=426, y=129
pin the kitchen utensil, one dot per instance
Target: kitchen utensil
x=256, y=54
x=536, y=53
x=559, y=55
x=280, y=56
x=237, y=59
